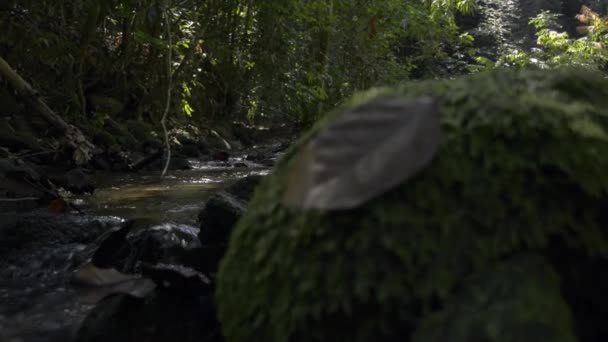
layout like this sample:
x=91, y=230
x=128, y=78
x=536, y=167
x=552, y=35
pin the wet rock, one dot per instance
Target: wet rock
x=220, y=156
x=219, y=215
x=75, y=181
x=180, y=163
x=223, y=209
x=89, y=274
x=205, y=259
x=180, y=279
x=164, y=317
x=244, y=188
x=164, y=243
x=257, y=156
x=112, y=247
x=217, y=218
x=266, y=157
x=144, y=242
x=172, y=256
x=240, y=165
x=181, y=308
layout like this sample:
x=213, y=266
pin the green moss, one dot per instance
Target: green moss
x=509, y=302
x=523, y=161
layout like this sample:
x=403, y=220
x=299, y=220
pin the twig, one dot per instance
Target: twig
x=20, y=199
x=169, y=85
x=33, y=154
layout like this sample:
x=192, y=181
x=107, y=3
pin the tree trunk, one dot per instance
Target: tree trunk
x=30, y=96
x=74, y=136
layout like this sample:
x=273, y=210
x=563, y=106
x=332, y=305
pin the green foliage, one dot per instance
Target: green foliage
x=557, y=49
x=231, y=59
x=522, y=163
x=302, y=58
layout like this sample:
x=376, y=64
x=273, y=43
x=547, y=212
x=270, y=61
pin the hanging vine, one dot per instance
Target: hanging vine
x=163, y=120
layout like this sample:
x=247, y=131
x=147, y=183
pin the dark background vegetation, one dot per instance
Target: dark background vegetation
x=104, y=66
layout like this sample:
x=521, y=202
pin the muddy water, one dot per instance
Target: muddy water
x=37, y=300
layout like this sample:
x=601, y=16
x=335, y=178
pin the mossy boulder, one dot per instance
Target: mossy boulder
x=473, y=248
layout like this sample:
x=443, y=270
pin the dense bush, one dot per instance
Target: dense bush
x=474, y=248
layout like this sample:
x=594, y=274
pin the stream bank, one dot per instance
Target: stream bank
x=42, y=252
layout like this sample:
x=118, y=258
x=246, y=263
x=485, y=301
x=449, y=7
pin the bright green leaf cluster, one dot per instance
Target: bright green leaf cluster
x=557, y=48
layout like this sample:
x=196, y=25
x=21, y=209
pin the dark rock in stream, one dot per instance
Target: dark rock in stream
x=181, y=308
x=268, y=156
x=76, y=181
x=183, y=268
x=257, y=156
x=165, y=243
x=179, y=279
x=223, y=209
x=143, y=241
x=220, y=214
x=112, y=247
x=162, y=317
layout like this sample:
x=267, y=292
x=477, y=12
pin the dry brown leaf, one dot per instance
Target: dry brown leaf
x=363, y=153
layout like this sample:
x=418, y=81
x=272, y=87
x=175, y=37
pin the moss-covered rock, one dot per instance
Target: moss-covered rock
x=522, y=168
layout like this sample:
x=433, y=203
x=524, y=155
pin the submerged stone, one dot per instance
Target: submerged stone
x=522, y=168
x=223, y=209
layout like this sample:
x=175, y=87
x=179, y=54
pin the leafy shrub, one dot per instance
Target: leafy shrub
x=557, y=48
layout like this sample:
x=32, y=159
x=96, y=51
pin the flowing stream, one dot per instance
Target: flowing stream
x=178, y=198
x=37, y=300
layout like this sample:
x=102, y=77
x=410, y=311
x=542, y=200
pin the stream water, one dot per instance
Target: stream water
x=37, y=300
x=177, y=198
